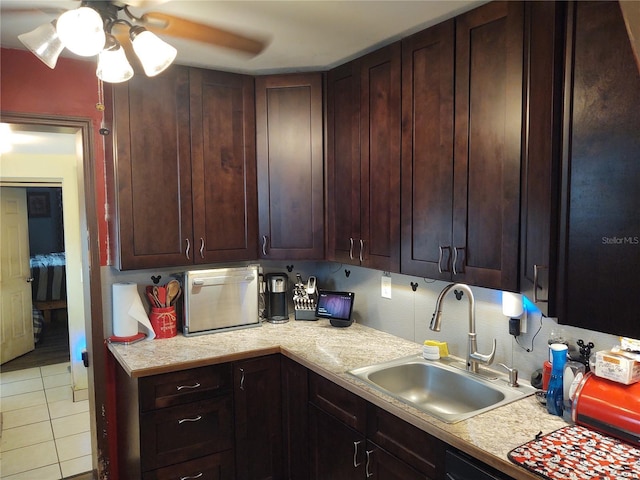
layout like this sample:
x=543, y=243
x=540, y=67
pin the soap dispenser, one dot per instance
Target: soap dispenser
x=554, y=391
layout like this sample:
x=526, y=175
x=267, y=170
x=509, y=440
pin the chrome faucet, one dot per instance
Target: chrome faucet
x=473, y=357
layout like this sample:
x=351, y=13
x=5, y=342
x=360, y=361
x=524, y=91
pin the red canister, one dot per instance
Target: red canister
x=546, y=374
x=610, y=407
x=163, y=321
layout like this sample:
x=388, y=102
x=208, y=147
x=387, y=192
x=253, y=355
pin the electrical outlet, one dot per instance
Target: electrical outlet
x=385, y=286
x=523, y=322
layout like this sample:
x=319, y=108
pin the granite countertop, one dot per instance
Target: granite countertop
x=331, y=352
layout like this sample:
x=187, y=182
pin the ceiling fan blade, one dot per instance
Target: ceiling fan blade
x=164, y=24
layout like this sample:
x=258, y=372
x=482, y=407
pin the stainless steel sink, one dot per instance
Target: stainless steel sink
x=440, y=388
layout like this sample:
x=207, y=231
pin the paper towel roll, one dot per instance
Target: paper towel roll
x=128, y=312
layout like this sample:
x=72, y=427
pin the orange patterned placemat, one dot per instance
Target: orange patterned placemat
x=578, y=453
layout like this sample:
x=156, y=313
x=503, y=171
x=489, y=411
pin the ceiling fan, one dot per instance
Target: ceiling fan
x=108, y=28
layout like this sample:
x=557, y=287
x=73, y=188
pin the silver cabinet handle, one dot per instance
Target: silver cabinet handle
x=181, y=387
x=536, y=268
x=356, y=464
x=191, y=477
x=30, y=279
x=242, y=379
x=368, y=473
x=188, y=249
x=455, y=259
x=194, y=419
x=351, y=248
x=264, y=245
x=201, y=247
x=361, y=250
x=441, y=257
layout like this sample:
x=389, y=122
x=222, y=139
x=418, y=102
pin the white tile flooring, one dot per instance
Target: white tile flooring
x=45, y=434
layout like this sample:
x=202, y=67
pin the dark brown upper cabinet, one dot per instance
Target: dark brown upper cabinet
x=488, y=132
x=427, y=152
x=289, y=138
x=184, y=165
x=544, y=40
x=363, y=160
x=152, y=167
x=224, y=190
x=599, y=256
x=461, y=181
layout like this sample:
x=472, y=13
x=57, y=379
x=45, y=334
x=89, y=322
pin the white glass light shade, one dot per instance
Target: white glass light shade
x=155, y=54
x=44, y=43
x=81, y=31
x=113, y=66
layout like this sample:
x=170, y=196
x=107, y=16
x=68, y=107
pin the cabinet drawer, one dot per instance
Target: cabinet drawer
x=176, y=434
x=347, y=407
x=417, y=448
x=212, y=467
x=186, y=386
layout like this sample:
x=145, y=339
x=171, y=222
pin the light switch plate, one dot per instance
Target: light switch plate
x=385, y=286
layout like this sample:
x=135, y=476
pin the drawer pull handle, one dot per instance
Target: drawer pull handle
x=191, y=477
x=195, y=419
x=368, y=473
x=242, y=379
x=188, y=386
x=356, y=464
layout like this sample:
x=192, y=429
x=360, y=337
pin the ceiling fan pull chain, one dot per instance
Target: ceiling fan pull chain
x=100, y=105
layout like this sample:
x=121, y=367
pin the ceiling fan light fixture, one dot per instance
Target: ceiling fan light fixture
x=44, y=43
x=81, y=31
x=113, y=66
x=155, y=54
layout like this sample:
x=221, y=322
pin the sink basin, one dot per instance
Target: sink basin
x=440, y=388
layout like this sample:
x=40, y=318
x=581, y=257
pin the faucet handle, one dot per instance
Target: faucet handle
x=482, y=358
x=513, y=375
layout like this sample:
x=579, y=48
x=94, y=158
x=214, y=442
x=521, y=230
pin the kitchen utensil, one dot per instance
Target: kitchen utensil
x=173, y=290
x=156, y=295
x=150, y=297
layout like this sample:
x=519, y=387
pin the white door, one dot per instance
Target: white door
x=16, y=318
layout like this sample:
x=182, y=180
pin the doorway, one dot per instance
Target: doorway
x=86, y=254
x=47, y=264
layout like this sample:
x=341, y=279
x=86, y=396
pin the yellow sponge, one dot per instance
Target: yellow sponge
x=442, y=346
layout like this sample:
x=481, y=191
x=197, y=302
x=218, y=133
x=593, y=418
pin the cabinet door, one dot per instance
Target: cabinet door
x=152, y=168
x=427, y=152
x=380, y=154
x=289, y=146
x=225, y=223
x=343, y=164
x=541, y=151
x=383, y=466
x=212, y=467
x=337, y=451
x=295, y=422
x=258, y=418
x=600, y=248
x=488, y=120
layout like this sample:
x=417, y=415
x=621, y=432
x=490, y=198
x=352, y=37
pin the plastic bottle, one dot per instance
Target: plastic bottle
x=554, y=392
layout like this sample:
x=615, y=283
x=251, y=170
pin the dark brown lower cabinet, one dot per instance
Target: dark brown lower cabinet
x=337, y=451
x=350, y=438
x=258, y=418
x=263, y=418
x=218, y=466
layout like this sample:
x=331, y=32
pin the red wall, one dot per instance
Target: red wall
x=28, y=86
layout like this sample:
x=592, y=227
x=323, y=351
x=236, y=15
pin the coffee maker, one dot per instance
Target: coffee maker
x=277, y=307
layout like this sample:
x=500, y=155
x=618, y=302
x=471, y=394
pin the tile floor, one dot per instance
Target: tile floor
x=45, y=435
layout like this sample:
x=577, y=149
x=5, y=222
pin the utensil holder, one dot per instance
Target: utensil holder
x=163, y=321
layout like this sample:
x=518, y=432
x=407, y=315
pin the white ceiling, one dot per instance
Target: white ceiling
x=302, y=35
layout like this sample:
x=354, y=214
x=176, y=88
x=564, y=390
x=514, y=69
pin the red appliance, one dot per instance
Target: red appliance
x=608, y=407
